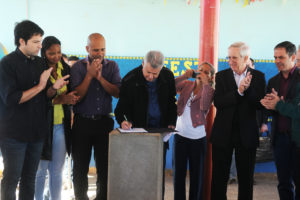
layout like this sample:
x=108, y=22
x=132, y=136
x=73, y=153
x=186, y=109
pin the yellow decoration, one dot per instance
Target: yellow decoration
x=3, y=51
x=247, y=2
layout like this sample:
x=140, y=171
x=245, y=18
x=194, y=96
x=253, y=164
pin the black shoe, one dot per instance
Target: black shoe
x=232, y=181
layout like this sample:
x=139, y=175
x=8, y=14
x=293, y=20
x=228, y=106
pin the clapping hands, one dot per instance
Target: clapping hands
x=270, y=100
x=245, y=83
x=94, y=69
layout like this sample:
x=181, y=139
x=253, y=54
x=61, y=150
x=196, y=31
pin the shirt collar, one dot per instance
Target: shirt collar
x=21, y=54
x=293, y=69
x=290, y=73
x=242, y=74
x=152, y=83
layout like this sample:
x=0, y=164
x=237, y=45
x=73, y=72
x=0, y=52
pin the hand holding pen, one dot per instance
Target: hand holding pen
x=126, y=124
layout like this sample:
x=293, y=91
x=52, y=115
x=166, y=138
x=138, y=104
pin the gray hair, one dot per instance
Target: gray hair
x=243, y=47
x=155, y=58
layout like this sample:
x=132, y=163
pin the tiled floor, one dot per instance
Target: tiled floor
x=265, y=188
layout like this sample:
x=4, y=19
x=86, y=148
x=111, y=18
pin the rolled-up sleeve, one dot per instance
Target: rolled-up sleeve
x=76, y=76
x=9, y=92
x=116, y=77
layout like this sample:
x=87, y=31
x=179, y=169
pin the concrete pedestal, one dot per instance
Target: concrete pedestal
x=135, y=166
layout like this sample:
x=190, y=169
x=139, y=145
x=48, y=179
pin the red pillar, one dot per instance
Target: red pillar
x=208, y=52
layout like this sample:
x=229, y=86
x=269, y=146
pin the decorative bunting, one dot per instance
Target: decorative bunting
x=247, y=2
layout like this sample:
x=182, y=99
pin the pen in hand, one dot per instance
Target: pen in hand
x=126, y=124
x=125, y=118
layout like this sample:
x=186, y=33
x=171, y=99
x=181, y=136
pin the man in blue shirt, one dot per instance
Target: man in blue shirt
x=96, y=80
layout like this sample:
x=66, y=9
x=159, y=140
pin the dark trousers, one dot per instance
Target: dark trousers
x=166, y=147
x=86, y=134
x=297, y=174
x=21, y=160
x=284, y=155
x=190, y=151
x=245, y=162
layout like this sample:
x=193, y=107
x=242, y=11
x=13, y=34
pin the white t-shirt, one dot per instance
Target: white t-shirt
x=184, y=123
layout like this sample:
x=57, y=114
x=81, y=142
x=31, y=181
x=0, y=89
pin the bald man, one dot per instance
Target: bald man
x=96, y=80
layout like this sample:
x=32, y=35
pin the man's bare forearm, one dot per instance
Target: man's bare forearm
x=110, y=88
x=83, y=87
x=30, y=93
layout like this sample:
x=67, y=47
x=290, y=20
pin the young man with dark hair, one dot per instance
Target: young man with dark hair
x=24, y=95
x=285, y=85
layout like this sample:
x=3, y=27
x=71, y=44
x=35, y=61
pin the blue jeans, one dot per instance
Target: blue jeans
x=190, y=151
x=284, y=154
x=21, y=161
x=55, y=167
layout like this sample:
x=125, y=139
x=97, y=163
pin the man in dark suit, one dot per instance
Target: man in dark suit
x=284, y=83
x=237, y=97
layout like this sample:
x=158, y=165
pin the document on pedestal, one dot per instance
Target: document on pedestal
x=132, y=130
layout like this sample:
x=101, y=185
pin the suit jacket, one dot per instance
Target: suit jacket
x=133, y=99
x=230, y=103
x=274, y=82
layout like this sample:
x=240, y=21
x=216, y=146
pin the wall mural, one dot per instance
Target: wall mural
x=178, y=65
x=3, y=51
